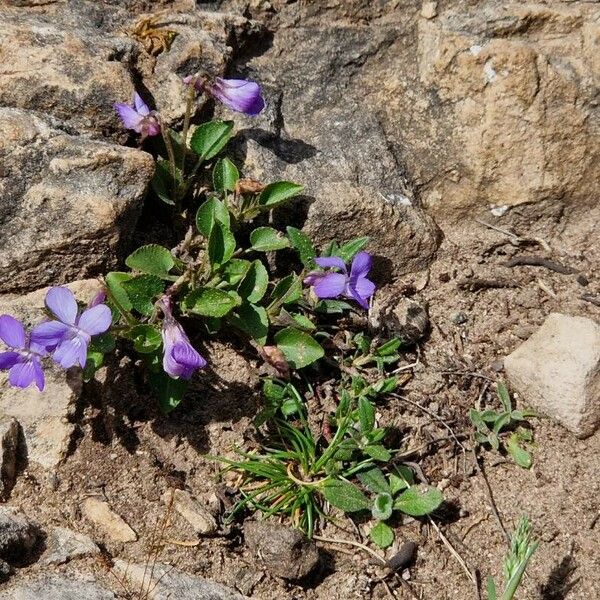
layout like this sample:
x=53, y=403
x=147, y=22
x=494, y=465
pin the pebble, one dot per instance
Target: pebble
x=192, y=511
x=459, y=318
x=108, y=521
x=18, y=535
x=63, y=545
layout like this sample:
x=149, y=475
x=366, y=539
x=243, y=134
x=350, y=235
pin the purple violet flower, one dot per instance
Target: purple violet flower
x=138, y=117
x=23, y=357
x=240, y=95
x=71, y=334
x=180, y=358
x=333, y=284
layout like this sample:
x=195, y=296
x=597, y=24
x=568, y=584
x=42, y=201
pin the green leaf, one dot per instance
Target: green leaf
x=252, y=320
x=502, y=421
x=374, y=480
x=382, y=507
x=382, y=535
x=221, y=244
x=210, y=138
x=389, y=348
x=287, y=290
x=210, y=302
x=152, y=260
x=225, y=175
x=419, y=500
x=266, y=239
x=104, y=343
x=493, y=440
x=377, y=452
x=519, y=454
x=162, y=182
x=350, y=249
x=254, y=285
x=93, y=362
x=233, y=272
x=400, y=479
x=146, y=339
x=303, y=323
x=169, y=392
x=332, y=307
x=302, y=244
x=277, y=193
x=299, y=348
x=366, y=415
x=491, y=589
x=142, y=290
x=344, y=495
x=114, y=282
x=210, y=211
x=504, y=396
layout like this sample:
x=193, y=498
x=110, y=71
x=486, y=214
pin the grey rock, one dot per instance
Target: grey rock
x=557, y=372
x=10, y=436
x=284, y=552
x=401, y=317
x=5, y=570
x=459, y=318
x=44, y=416
x=18, y=535
x=47, y=586
x=167, y=583
x=402, y=237
x=63, y=545
x=199, y=517
x=90, y=192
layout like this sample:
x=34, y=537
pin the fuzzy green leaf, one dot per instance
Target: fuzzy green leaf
x=221, y=244
x=254, y=285
x=266, y=239
x=302, y=244
x=142, y=290
x=146, y=339
x=382, y=535
x=299, y=348
x=114, y=282
x=210, y=138
x=366, y=415
x=210, y=302
x=374, y=480
x=382, y=507
x=210, y=211
x=350, y=249
x=377, y=452
x=344, y=495
x=167, y=390
x=519, y=454
x=419, y=500
x=287, y=290
x=225, y=175
x=162, y=182
x=277, y=193
x=235, y=270
x=152, y=260
x=252, y=320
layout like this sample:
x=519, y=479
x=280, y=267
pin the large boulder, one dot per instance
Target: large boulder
x=68, y=203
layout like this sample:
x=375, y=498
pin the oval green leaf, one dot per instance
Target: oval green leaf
x=382, y=535
x=252, y=320
x=299, y=348
x=277, y=193
x=267, y=239
x=221, y=244
x=419, y=500
x=210, y=138
x=382, y=507
x=142, y=290
x=225, y=175
x=344, y=495
x=210, y=211
x=254, y=285
x=210, y=302
x=152, y=260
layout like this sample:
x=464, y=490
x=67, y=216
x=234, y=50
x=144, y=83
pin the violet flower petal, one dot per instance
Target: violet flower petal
x=71, y=352
x=364, y=287
x=95, y=320
x=40, y=380
x=239, y=95
x=331, y=285
x=12, y=332
x=361, y=265
x=49, y=334
x=331, y=261
x=188, y=359
x=9, y=359
x=128, y=115
x=22, y=374
x=140, y=106
x=61, y=302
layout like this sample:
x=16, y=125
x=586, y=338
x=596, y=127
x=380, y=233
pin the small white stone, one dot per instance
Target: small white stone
x=108, y=521
x=429, y=10
x=557, y=372
x=499, y=211
x=192, y=511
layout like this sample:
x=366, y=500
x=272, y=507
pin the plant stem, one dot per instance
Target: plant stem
x=131, y=320
x=173, y=166
x=191, y=96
